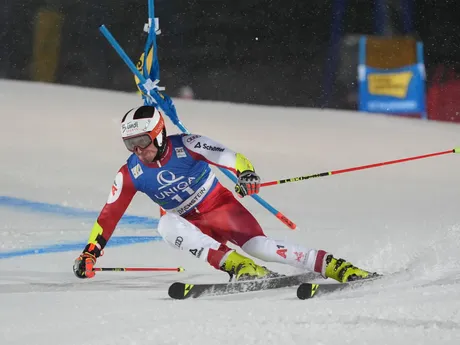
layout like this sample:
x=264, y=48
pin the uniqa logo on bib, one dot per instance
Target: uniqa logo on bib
x=172, y=185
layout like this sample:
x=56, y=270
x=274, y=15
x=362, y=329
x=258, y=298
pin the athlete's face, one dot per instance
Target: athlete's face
x=146, y=155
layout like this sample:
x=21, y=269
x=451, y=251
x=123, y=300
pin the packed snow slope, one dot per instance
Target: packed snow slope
x=61, y=148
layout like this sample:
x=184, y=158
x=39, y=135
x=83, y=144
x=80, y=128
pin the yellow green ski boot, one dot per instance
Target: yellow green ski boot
x=243, y=268
x=343, y=271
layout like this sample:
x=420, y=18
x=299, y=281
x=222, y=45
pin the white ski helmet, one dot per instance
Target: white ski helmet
x=141, y=126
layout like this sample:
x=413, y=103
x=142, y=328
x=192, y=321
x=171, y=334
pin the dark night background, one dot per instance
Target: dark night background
x=290, y=52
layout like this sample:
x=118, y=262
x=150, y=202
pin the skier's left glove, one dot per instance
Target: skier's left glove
x=248, y=183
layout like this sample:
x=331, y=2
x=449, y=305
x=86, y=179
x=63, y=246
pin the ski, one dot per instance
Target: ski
x=310, y=290
x=183, y=291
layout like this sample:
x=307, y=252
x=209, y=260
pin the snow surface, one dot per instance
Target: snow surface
x=60, y=149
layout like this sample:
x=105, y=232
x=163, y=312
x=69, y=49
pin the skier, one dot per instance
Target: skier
x=199, y=215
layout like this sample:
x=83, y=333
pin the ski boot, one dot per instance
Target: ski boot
x=343, y=271
x=242, y=268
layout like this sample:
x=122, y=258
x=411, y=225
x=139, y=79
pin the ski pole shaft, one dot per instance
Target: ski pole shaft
x=140, y=269
x=362, y=167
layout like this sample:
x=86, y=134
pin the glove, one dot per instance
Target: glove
x=83, y=265
x=248, y=183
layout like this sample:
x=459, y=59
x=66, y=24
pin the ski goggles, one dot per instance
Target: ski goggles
x=141, y=141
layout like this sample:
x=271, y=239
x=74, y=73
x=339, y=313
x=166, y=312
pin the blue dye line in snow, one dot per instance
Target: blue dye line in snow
x=67, y=247
x=58, y=210
x=41, y=207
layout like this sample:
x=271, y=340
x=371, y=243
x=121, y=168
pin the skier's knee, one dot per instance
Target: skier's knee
x=256, y=246
x=173, y=229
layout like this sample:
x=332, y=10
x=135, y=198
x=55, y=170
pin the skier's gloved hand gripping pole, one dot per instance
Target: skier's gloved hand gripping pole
x=362, y=167
x=148, y=84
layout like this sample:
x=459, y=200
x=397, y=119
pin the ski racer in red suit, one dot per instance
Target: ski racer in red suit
x=201, y=215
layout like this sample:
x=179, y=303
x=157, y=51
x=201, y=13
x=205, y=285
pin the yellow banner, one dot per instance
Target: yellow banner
x=389, y=84
x=140, y=66
x=46, y=45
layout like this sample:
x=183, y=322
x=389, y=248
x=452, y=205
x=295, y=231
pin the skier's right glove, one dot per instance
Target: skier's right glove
x=84, y=264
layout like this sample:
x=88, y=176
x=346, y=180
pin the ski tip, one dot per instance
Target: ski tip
x=179, y=290
x=306, y=290
x=176, y=291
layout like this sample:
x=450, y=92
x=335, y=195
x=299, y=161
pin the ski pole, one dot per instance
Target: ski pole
x=362, y=167
x=139, y=269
